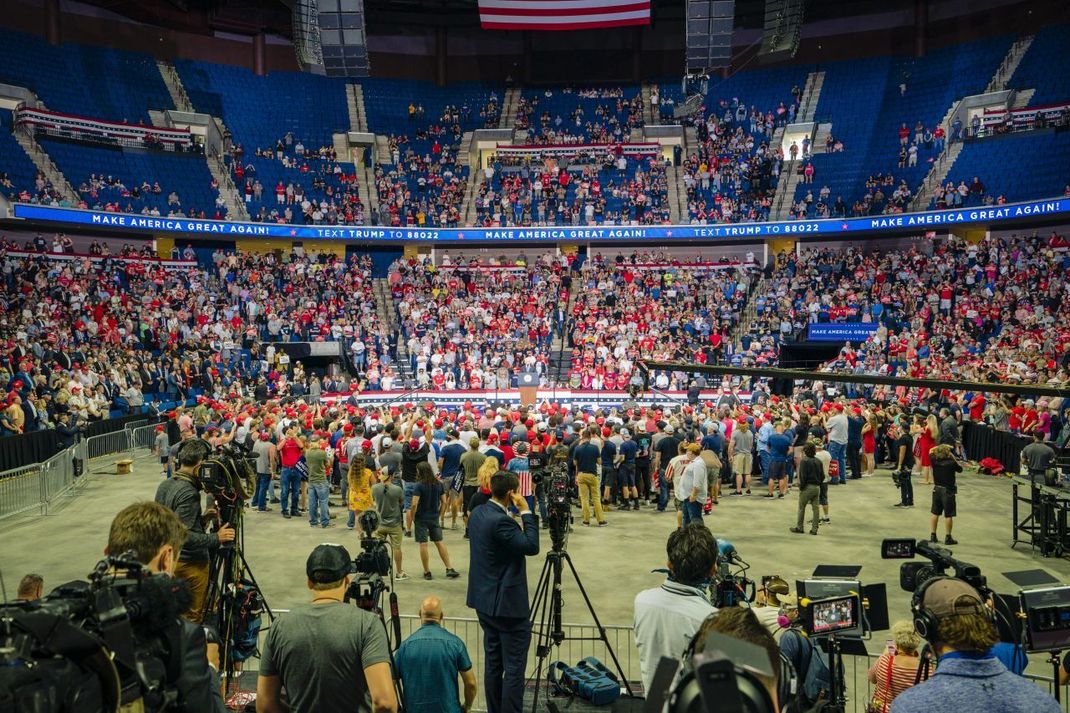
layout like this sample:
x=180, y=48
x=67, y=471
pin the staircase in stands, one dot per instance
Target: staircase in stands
x=678, y=211
x=790, y=171
x=358, y=117
x=384, y=309
x=509, y=107
x=233, y=199
x=44, y=164
x=750, y=311
x=358, y=121
x=646, y=91
x=560, y=362
x=941, y=168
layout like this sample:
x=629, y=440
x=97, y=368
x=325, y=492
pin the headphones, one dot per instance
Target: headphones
x=788, y=688
x=926, y=622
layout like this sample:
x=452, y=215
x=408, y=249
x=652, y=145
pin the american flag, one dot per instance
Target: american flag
x=562, y=14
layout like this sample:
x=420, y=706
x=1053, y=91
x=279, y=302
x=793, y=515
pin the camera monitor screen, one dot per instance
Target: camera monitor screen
x=831, y=616
x=898, y=549
x=819, y=589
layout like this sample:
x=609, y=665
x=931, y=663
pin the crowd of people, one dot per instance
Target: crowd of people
x=607, y=189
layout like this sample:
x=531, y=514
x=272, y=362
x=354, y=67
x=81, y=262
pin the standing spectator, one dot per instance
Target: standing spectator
x=319, y=462
x=838, y=433
x=498, y=589
x=811, y=476
x=290, y=452
x=428, y=502
x=945, y=489
x=389, y=500
x=428, y=663
x=359, y=486
x=903, y=456
x=585, y=459
x=740, y=446
x=264, y=450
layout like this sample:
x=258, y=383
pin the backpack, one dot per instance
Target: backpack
x=810, y=664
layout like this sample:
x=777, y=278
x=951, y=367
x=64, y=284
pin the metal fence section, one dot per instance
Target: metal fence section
x=40, y=485
x=142, y=436
x=106, y=444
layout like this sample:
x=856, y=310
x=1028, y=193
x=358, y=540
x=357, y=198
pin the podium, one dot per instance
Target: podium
x=529, y=388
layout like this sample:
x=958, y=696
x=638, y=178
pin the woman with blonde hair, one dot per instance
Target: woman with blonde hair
x=486, y=472
x=894, y=670
x=359, y=495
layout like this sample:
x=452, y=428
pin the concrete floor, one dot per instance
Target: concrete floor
x=614, y=562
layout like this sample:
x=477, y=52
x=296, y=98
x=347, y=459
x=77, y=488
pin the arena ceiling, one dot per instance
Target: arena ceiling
x=273, y=16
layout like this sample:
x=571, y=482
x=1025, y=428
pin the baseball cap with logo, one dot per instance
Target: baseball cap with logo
x=329, y=563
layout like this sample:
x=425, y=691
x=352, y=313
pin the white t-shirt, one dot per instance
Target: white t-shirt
x=666, y=619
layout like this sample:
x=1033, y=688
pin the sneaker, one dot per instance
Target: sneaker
x=932, y=537
x=311, y=524
x=329, y=524
x=825, y=520
x=400, y=577
x=949, y=540
x=287, y=515
x=603, y=523
x=748, y=491
x=736, y=494
x=797, y=530
x=899, y=505
x=452, y=573
x=408, y=533
x=813, y=532
x=770, y=496
x=427, y=575
x=780, y=495
x=586, y=523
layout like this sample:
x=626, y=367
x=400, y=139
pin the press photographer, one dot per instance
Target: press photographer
x=116, y=641
x=327, y=655
x=182, y=494
x=667, y=617
x=953, y=617
x=156, y=536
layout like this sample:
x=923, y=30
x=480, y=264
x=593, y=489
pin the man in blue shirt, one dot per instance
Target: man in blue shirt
x=626, y=454
x=762, y=441
x=968, y=676
x=449, y=465
x=428, y=663
x=779, y=456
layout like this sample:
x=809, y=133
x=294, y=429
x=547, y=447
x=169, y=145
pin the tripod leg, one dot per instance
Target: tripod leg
x=540, y=611
x=601, y=631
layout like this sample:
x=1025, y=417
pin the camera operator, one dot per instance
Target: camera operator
x=156, y=535
x=182, y=494
x=967, y=677
x=667, y=617
x=769, y=602
x=944, y=467
x=741, y=623
x=328, y=655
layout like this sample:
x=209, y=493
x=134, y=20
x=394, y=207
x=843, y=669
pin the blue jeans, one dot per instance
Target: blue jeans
x=663, y=492
x=692, y=511
x=764, y=457
x=838, y=451
x=409, y=489
x=317, y=503
x=290, y=485
x=263, y=484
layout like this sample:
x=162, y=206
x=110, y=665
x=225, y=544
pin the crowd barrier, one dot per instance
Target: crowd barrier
x=982, y=441
x=39, y=485
x=35, y=447
x=582, y=640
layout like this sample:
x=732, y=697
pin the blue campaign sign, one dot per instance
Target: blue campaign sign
x=845, y=332
x=738, y=231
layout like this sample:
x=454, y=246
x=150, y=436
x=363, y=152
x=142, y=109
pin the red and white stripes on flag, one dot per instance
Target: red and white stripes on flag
x=562, y=14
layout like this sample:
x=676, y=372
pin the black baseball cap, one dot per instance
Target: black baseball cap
x=329, y=563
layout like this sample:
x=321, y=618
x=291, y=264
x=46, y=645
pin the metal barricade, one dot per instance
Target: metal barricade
x=21, y=489
x=107, y=444
x=142, y=436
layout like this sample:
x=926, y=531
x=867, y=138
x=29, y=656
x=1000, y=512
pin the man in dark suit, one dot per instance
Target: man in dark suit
x=498, y=589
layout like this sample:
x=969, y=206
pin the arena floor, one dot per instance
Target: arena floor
x=614, y=562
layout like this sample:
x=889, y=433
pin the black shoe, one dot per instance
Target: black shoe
x=900, y=505
x=813, y=532
x=949, y=540
x=452, y=573
x=797, y=530
x=932, y=537
x=770, y=496
x=427, y=575
x=286, y=515
x=825, y=520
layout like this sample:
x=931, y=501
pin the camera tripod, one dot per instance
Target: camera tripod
x=837, y=692
x=229, y=573
x=546, y=609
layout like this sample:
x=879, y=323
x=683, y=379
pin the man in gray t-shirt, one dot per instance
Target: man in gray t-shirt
x=389, y=501
x=328, y=655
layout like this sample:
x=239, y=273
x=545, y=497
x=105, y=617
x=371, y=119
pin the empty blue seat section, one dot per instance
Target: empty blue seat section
x=78, y=79
x=15, y=163
x=866, y=106
x=1044, y=68
x=260, y=110
x=185, y=174
x=1018, y=167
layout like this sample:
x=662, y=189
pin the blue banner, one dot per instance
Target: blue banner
x=846, y=332
x=737, y=231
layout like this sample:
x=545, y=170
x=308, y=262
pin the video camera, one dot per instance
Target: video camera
x=725, y=676
x=913, y=574
x=729, y=588
x=229, y=473
x=111, y=643
x=371, y=565
x=558, y=504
